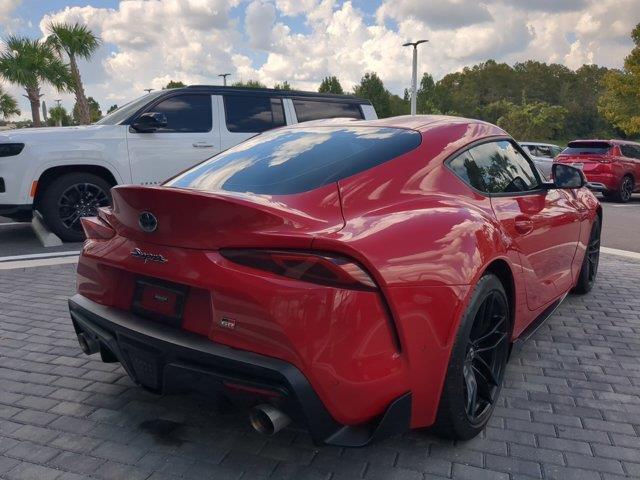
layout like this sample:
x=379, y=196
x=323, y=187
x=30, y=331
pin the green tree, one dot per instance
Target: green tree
x=372, y=88
x=282, y=86
x=620, y=102
x=95, y=113
x=77, y=41
x=8, y=105
x=249, y=84
x=112, y=108
x=535, y=121
x=331, y=85
x=173, y=84
x=58, y=115
x=398, y=106
x=425, y=101
x=30, y=63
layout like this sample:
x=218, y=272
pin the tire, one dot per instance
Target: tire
x=453, y=420
x=70, y=197
x=589, y=270
x=625, y=190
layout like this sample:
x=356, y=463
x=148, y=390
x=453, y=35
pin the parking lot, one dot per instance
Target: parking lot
x=570, y=408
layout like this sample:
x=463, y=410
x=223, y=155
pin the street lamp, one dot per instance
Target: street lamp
x=224, y=78
x=414, y=78
x=148, y=90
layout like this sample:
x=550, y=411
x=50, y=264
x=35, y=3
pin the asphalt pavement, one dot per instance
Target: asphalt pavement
x=621, y=231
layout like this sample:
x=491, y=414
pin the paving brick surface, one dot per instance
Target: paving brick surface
x=570, y=407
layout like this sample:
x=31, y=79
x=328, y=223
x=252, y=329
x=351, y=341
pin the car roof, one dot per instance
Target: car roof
x=421, y=123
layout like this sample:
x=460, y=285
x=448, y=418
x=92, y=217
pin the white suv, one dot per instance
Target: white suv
x=67, y=172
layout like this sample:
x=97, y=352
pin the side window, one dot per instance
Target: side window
x=544, y=151
x=630, y=151
x=555, y=151
x=465, y=167
x=186, y=113
x=636, y=152
x=253, y=114
x=307, y=110
x=496, y=167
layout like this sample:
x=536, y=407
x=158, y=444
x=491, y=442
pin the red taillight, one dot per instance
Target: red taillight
x=96, y=229
x=323, y=268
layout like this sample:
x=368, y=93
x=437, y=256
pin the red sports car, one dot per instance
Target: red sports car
x=358, y=277
x=613, y=165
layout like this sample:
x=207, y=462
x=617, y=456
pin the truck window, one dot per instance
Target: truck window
x=253, y=114
x=186, y=113
x=307, y=110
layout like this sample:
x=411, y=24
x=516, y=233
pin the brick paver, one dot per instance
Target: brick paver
x=570, y=407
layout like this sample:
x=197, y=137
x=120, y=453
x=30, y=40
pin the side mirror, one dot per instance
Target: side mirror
x=149, y=122
x=567, y=177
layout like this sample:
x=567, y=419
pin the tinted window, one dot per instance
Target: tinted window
x=128, y=109
x=253, y=114
x=496, y=167
x=630, y=151
x=298, y=159
x=185, y=113
x=314, y=110
x=593, y=148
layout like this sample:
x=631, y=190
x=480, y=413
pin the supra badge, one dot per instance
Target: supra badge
x=148, y=257
x=148, y=222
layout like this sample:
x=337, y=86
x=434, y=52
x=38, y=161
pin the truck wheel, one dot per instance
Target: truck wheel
x=70, y=197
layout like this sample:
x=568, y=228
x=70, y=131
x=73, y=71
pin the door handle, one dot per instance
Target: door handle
x=523, y=224
x=202, y=145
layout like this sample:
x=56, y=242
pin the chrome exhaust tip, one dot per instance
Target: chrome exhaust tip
x=267, y=419
x=88, y=344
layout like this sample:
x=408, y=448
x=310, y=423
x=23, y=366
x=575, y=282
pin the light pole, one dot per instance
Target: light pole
x=224, y=78
x=148, y=90
x=414, y=78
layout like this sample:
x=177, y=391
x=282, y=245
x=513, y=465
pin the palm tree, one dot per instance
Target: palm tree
x=8, y=105
x=30, y=63
x=76, y=41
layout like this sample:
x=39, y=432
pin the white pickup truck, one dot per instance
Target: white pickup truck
x=66, y=173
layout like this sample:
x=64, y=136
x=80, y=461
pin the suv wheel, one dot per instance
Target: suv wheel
x=625, y=189
x=70, y=197
x=477, y=365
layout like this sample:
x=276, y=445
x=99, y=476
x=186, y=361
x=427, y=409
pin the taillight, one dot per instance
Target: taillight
x=96, y=229
x=323, y=268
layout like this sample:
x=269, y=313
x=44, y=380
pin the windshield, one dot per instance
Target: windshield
x=584, y=148
x=295, y=160
x=128, y=109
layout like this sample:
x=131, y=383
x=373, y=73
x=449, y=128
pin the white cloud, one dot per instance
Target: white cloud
x=148, y=43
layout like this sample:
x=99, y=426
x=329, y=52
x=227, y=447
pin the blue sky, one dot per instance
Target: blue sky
x=146, y=43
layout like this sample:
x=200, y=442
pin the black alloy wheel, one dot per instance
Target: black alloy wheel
x=486, y=355
x=70, y=197
x=589, y=270
x=626, y=189
x=477, y=364
x=80, y=200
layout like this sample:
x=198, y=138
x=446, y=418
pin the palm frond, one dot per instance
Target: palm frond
x=75, y=39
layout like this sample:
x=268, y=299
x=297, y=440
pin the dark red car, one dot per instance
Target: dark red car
x=612, y=164
x=359, y=277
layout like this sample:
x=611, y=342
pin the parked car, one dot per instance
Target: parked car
x=613, y=165
x=359, y=277
x=66, y=173
x=542, y=155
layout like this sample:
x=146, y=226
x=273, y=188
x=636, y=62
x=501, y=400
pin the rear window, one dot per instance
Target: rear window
x=587, y=148
x=307, y=110
x=298, y=159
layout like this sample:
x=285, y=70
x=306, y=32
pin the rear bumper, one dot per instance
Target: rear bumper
x=609, y=180
x=164, y=360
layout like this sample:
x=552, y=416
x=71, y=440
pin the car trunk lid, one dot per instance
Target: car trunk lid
x=211, y=220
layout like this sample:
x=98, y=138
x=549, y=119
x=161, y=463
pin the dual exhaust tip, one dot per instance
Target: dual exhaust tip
x=265, y=419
